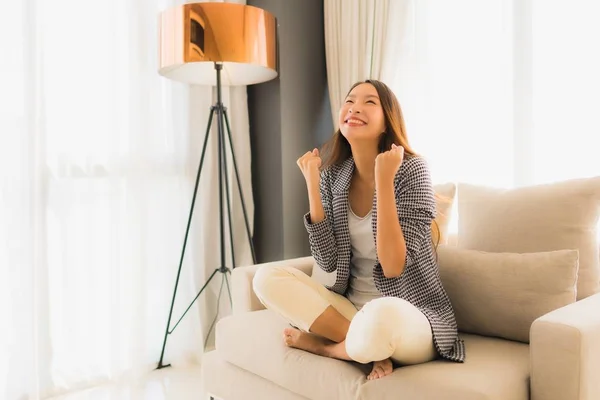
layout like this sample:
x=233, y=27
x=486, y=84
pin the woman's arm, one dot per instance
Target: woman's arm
x=405, y=217
x=317, y=212
x=391, y=246
x=319, y=224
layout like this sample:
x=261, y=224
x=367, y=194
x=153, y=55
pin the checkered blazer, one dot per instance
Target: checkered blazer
x=420, y=282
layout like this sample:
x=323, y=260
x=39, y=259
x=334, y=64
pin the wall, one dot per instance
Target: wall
x=288, y=116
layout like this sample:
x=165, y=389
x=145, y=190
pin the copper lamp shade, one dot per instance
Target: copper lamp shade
x=193, y=37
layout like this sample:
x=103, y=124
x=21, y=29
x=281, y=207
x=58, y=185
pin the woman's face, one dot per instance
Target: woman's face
x=361, y=116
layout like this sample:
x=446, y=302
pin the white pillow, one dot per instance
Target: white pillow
x=501, y=294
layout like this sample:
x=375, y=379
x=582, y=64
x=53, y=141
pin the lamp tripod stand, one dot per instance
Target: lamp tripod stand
x=196, y=42
x=220, y=112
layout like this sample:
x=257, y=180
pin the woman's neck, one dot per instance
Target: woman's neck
x=364, y=164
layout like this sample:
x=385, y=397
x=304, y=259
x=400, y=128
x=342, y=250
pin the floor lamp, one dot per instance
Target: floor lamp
x=216, y=44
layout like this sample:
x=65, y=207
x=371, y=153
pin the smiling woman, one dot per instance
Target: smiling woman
x=371, y=209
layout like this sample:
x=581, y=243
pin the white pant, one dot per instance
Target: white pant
x=383, y=328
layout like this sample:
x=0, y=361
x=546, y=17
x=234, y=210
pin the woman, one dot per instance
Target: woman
x=371, y=209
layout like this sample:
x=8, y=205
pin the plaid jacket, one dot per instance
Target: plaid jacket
x=420, y=282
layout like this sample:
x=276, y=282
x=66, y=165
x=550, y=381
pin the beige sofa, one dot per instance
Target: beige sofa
x=523, y=275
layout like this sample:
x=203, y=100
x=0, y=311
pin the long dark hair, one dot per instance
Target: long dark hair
x=337, y=149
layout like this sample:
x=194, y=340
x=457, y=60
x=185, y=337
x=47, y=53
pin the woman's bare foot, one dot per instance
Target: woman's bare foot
x=305, y=341
x=381, y=369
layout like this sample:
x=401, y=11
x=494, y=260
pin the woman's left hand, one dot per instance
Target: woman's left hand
x=387, y=164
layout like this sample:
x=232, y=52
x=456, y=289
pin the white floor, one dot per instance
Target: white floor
x=165, y=384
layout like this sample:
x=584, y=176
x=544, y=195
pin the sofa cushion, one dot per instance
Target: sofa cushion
x=494, y=368
x=501, y=294
x=254, y=341
x=548, y=217
x=217, y=376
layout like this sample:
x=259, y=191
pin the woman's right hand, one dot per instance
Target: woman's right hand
x=310, y=165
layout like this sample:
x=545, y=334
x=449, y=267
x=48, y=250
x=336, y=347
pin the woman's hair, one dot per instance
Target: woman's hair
x=337, y=149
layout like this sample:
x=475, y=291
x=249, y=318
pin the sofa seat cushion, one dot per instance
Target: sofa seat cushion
x=254, y=341
x=494, y=368
x=225, y=381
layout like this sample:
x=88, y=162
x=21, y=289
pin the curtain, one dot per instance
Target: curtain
x=98, y=158
x=355, y=35
x=497, y=92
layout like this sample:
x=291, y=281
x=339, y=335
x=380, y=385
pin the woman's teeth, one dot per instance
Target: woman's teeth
x=355, y=121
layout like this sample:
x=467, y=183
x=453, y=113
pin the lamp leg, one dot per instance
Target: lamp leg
x=187, y=230
x=212, y=325
x=239, y=185
x=226, y=178
x=222, y=162
x=228, y=289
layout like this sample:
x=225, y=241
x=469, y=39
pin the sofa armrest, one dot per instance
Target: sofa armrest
x=244, y=299
x=565, y=352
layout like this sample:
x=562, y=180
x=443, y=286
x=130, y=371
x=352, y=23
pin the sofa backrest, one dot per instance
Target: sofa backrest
x=557, y=216
x=521, y=253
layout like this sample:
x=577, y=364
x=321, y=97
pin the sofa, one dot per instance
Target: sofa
x=523, y=275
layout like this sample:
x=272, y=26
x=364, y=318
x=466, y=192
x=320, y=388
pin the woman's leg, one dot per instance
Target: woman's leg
x=304, y=302
x=310, y=306
x=390, y=327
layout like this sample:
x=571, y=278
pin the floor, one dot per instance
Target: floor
x=165, y=384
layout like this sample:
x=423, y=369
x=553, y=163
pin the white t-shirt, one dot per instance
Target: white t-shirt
x=361, y=287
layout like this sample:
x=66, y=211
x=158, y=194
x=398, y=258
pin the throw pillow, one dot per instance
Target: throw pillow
x=444, y=197
x=501, y=294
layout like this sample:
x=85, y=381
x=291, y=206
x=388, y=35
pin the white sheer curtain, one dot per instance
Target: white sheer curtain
x=565, y=89
x=98, y=156
x=454, y=79
x=494, y=92
x=356, y=35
